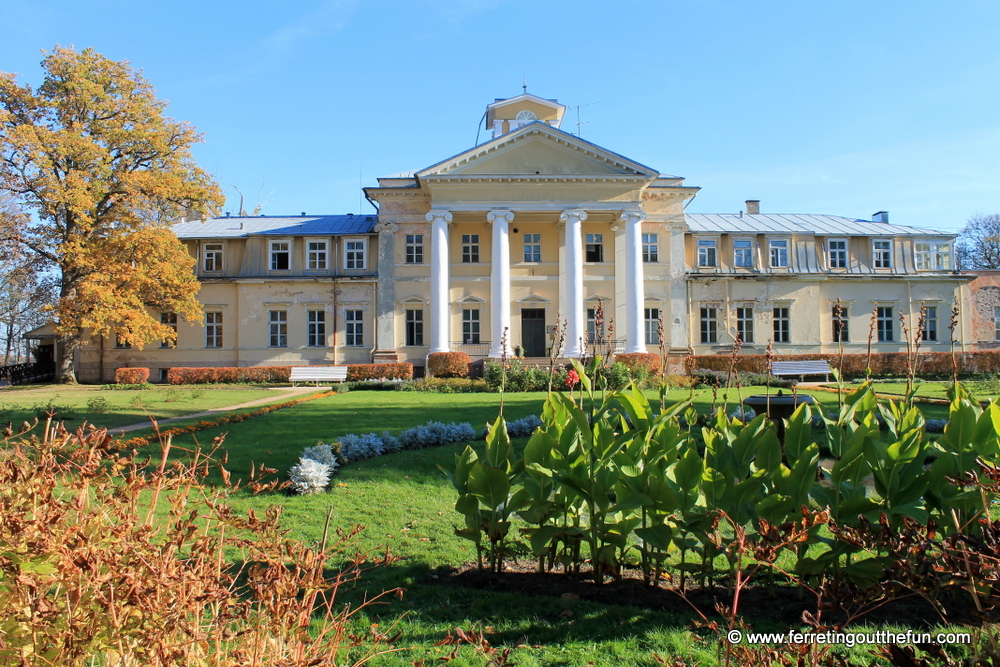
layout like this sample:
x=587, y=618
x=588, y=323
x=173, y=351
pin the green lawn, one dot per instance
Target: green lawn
x=76, y=404
x=406, y=504
x=983, y=389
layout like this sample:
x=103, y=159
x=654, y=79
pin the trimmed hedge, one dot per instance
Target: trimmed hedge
x=130, y=375
x=636, y=360
x=448, y=364
x=395, y=371
x=228, y=374
x=883, y=364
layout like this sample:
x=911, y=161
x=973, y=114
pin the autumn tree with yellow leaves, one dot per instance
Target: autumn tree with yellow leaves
x=103, y=171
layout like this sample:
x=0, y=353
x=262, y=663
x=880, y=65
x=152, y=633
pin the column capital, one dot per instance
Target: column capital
x=434, y=215
x=501, y=214
x=577, y=213
x=391, y=227
x=632, y=215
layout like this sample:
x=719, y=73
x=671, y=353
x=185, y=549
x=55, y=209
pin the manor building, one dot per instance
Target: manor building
x=537, y=236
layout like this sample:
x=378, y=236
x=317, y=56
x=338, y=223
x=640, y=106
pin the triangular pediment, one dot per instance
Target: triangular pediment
x=537, y=150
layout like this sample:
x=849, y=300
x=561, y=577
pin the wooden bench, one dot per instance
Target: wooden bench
x=317, y=374
x=801, y=368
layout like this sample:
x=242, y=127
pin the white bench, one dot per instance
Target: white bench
x=317, y=374
x=801, y=368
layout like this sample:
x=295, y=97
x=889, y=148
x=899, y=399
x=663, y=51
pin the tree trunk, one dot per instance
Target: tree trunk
x=65, y=347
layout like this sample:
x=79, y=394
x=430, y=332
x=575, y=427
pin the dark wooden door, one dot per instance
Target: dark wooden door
x=533, y=332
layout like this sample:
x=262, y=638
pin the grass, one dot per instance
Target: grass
x=77, y=404
x=406, y=504
x=981, y=389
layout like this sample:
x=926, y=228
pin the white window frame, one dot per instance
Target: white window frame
x=217, y=252
x=650, y=248
x=885, y=325
x=317, y=259
x=471, y=326
x=707, y=253
x=277, y=328
x=597, y=241
x=931, y=335
x=708, y=324
x=414, y=326
x=837, y=258
x=355, y=258
x=928, y=255
x=781, y=323
x=882, y=257
x=354, y=327
x=840, y=326
x=213, y=329
x=470, y=249
x=316, y=328
x=749, y=248
x=414, y=250
x=744, y=323
x=532, y=247
x=651, y=321
x=774, y=252
x=274, y=251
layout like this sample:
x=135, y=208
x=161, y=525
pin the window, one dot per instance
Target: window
x=779, y=253
x=782, y=325
x=706, y=252
x=415, y=327
x=837, y=251
x=316, y=328
x=470, y=324
x=743, y=253
x=595, y=248
x=532, y=247
x=996, y=323
x=280, y=256
x=744, y=324
x=930, y=318
x=169, y=320
x=414, y=248
x=882, y=253
x=932, y=255
x=841, y=333
x=595, y=326
x=354, y=332
x=120, y=343
x=883, y=324
x=470, y=248
x=213, y=257
x=650, y=249
x=709, y=324
x=354, y=254
x=278, y=325
x=213, y=329
x=316, y=252
x=652, y=318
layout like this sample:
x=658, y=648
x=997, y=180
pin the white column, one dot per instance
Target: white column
x=500, y=282
x=576, y=327
x=440, y=282
x=635, y=293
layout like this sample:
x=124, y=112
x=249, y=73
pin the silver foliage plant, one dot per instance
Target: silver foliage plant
x=310, y=476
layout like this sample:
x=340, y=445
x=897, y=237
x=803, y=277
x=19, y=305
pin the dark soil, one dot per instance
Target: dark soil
x=780, y=604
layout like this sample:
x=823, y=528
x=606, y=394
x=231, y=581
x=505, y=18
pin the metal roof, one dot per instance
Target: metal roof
x=818, y=225
x=267, y=225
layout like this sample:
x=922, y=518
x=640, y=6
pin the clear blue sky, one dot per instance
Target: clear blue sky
x=843, y=107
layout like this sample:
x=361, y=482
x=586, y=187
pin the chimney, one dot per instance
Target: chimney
x=753, y=207
x=881, y=216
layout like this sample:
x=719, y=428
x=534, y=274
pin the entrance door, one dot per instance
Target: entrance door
x=533, y=332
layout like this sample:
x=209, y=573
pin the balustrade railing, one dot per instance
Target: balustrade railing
x=21, y=373
x=474, y=350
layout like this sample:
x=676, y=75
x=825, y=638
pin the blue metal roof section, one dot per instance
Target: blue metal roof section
x=276, y=225
x=803, y=224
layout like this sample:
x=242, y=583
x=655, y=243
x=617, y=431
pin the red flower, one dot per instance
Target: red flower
x=572, y=378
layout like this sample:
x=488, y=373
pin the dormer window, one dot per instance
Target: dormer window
x=706, y=253
x=882, y=253
x=280, y=255
x=932, y=255
x=779, y=253
x=837, y=251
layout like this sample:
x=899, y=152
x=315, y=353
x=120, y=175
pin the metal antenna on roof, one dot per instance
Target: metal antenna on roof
x=578, y=122
x=524, y=86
